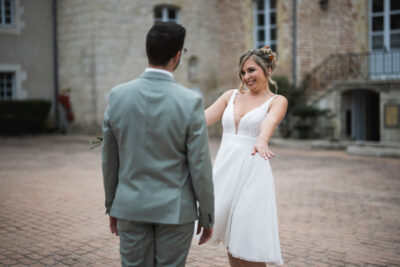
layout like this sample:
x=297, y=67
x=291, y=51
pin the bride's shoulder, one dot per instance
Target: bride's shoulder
x=280, y=97
x=280, y=100
x=227, y=95
x=229, y=92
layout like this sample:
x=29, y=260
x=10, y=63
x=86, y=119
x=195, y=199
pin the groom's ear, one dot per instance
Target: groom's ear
x=177, y=57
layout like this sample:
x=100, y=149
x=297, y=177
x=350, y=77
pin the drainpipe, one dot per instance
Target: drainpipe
x=55, y=64
x=294, y=63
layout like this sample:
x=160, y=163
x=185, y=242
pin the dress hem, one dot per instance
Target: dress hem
x=221, y=244
x=268, y=261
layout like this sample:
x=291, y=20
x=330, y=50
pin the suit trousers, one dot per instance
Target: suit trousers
x=153, y=244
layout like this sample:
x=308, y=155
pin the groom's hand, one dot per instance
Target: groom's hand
x=206, y=235
x=113, y=225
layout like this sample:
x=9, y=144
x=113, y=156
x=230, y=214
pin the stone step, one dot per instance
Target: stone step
x=374, y=151
x=362, y=148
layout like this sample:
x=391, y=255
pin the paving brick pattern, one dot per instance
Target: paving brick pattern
x=333, y=209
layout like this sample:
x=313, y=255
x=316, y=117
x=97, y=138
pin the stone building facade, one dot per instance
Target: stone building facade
x=26, y=50
x=102, y=44
x=339, y=47
x=352, y=58
x=346, y=52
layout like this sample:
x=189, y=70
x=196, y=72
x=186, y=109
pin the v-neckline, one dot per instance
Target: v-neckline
x=233, y=111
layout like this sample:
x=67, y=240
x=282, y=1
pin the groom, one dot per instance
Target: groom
x=156, y=163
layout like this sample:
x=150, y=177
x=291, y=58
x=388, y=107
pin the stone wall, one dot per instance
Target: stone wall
x=390, y=94
x=102, y=44
x=27, y=50
x=231, y=38
x=340, y=28
x=285, y=39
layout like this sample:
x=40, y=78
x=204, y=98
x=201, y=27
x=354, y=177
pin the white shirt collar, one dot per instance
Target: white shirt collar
x=159, y=70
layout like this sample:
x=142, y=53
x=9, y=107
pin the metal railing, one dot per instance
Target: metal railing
x=379, y=65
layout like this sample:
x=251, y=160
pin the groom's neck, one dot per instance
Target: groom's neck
x=170, y=66
x=167, y=68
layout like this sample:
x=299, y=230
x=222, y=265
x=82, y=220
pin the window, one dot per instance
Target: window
x=7, y=85
x=391, y=116
x=384, y=25
x=265, y=29
x=384, y=39
x=6, y=13
x=166, y=13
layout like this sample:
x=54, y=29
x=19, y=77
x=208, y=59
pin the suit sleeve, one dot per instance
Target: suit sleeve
x=110, y=161
x=200, y=165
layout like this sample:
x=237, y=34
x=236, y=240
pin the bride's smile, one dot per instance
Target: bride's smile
x=253, y=76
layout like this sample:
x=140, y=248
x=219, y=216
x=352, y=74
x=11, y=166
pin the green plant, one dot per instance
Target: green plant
x=294, y=95
x=308, y=111
x=301, y=119
x=96, y=142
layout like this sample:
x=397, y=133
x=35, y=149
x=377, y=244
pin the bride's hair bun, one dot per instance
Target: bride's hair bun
x=270, y=57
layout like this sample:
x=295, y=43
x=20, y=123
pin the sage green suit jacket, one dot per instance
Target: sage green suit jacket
x=155, y=156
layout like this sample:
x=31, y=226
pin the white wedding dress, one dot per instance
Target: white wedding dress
x=245, y=208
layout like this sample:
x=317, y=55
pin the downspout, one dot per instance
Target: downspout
x=55, y=64
x=294, y=61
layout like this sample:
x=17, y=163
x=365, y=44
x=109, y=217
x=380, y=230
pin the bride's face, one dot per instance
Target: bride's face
x=253, y=75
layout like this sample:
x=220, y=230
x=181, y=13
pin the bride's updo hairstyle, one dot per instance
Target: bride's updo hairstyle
x=265, y=58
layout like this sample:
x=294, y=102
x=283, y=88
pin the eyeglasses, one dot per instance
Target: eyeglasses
x=184, y=51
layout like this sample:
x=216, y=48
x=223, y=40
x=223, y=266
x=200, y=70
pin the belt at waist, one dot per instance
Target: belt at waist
x=239, y=139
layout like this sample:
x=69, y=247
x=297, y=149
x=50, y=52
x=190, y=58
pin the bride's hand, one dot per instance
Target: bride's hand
x=263, y=149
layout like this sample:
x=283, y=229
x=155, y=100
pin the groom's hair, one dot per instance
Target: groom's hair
x=163, y=41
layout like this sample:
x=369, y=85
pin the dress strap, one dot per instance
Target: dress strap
x=269, y=102
x=232, y=97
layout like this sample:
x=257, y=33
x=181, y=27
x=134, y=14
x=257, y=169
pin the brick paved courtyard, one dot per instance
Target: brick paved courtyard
x=333, y=209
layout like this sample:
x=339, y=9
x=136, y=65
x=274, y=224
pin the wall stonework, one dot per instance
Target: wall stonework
x=341, y=28
x=100, y=47
x=361, y=25
x=102, y=44
x=232, y=40
x=285, y=39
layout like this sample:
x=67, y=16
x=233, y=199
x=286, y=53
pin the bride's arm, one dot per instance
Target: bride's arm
x=214, y=112
x=274, y=117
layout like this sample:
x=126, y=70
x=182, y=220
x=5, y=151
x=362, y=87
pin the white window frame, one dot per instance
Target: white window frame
x=19, y=77
x=383, y=64
x=387, y=32
x=267, y=27
x=164, y=13
x=17, y=24
x=2, y=10
x=5, y=90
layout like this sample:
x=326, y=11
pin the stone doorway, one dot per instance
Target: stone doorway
x=360, y=110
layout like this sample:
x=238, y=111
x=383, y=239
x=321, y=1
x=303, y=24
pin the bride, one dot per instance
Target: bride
x=245, y=208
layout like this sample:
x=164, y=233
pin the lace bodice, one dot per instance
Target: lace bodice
x=250, y=124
